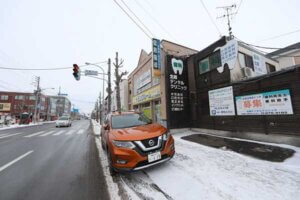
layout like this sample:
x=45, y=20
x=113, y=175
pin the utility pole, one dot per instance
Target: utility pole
x=118, y=80
x=37, y=102
x=228, y=14
x=100, y=111
x=109, y=92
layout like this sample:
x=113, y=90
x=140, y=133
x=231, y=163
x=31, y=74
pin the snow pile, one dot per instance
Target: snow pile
x=201, y=172
x=24, y=125
x=112, y=187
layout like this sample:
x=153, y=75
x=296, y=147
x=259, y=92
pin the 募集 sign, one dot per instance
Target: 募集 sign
x=267, y=103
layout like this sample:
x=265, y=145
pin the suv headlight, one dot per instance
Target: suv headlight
x=166, y=136
x=123, y=144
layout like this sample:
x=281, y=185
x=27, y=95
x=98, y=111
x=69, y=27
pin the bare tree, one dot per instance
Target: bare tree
x=118, y=76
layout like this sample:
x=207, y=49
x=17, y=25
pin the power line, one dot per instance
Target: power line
x=278, y=36
x=210, y=17
x=239, y=7
x=45, y=69
x=137, y=18
x=154, y=19
x=133, y=20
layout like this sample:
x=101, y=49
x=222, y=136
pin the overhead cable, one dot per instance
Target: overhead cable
x=132, y=20
x=137, y=18
x=210, y=17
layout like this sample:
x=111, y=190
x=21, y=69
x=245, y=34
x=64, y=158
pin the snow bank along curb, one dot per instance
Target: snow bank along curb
x=112, y=187
x=25, y=125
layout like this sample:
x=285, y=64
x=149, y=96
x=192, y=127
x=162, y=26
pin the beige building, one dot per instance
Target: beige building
x=288, y=56
x=146, y=85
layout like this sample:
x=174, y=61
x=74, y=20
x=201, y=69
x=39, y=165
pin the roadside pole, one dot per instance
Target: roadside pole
x=36, y=99
x=109, y=85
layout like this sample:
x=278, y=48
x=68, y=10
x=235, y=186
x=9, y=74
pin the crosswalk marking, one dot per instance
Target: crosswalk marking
x=58, y=133
x=10, y=135
x=70, y=132
x=34, y=134
x=48, y=133
x=80, y=131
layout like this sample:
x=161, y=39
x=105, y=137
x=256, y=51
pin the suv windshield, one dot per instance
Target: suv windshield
x=63, y=118
x=129, y=120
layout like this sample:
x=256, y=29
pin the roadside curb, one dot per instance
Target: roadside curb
x=112, y=187
x=24, y=126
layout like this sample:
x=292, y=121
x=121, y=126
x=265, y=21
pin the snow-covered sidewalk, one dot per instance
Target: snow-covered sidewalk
x=24, y=125
x=201, y=172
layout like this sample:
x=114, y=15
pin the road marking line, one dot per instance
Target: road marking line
x=15, y=160
x=70, y=132
x=80, y=131
x=58, y=133
x=48, y=133
x=10, y=135
x=34, y=134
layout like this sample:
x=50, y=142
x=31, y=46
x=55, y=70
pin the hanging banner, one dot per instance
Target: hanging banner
x=267, y=103
x=221, y=102
x=259, y=64
x=229, y=53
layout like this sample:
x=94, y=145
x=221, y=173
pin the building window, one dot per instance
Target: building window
x=4, y=97
x=32, y=98
x=209, y=63
x=270, y=68
x=246, y=61
x=19, y=97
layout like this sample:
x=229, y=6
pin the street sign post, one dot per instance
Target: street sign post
x=90, y=73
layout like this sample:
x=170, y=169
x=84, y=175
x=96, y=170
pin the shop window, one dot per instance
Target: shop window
x=19, y=97
x=32, y=97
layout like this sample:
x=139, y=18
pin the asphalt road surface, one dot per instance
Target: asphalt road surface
x=44, y=162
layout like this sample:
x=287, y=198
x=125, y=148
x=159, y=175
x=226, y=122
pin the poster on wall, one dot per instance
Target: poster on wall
x=267, y=103
x=229, y=53
x=221, y=102
x=259, y=64
x=177, y=96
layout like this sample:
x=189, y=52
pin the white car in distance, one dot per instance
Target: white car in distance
x=63, y=121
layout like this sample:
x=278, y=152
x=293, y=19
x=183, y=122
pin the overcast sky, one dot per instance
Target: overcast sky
x=58, y=33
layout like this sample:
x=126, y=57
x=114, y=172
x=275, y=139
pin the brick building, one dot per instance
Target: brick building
x=15, y=103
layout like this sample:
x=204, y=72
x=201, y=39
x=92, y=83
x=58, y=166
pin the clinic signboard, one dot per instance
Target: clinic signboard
x=221, y=102
x=156, y=54
x=266, y=103
x=177, y=93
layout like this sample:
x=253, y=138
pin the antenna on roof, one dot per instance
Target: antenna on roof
x=228, y=13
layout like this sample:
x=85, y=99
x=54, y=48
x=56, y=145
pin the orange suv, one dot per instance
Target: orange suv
x=132, y=142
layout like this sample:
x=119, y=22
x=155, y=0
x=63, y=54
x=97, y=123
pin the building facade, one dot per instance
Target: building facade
x=146, y=84
x=13, y=104
x=58, y=106
x=288, y=56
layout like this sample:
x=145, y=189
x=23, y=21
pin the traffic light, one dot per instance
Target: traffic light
x=76, y=72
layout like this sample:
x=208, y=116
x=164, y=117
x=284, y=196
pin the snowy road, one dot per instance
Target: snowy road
x=201, y=172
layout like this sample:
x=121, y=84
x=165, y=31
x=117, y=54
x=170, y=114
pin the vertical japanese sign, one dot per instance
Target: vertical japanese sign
x=221, y=102
x=156, y=54
x=177, y=93
x=229, y=53
x=259, y=65
x=267, y=103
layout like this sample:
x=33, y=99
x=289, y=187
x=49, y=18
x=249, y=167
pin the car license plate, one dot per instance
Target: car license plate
x=154, y=156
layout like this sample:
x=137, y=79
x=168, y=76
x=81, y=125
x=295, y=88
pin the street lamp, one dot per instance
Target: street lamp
x=103, y=73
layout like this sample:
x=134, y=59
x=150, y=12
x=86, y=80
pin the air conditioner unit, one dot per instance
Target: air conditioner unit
x=248, y=72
